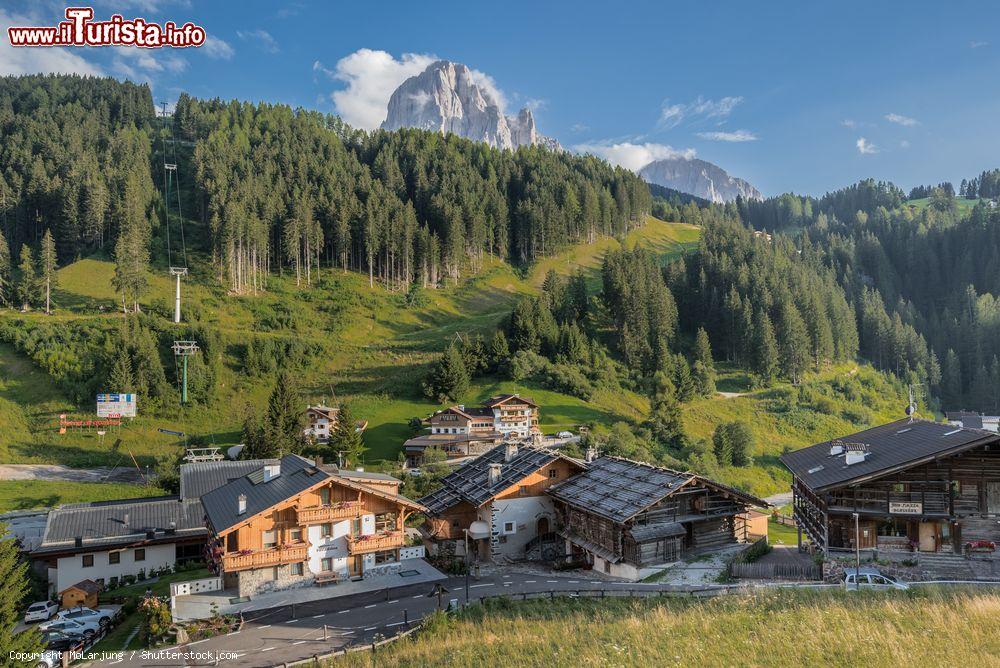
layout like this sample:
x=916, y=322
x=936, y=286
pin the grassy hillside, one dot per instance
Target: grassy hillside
x=964, y=204
x=375, y=346
x=774, y=628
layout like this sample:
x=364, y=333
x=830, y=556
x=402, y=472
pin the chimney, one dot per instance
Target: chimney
x=150, y=534
x=272, y=471
x=461, y=407
x=319, y=461
x=509, y=451
x=590, y=455
x=836, y=448
x=495, y=469
x=125, y=521
x=242, y=500
x=78, y=541
x=854, y=457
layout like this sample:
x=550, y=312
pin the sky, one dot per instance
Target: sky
x=802, y=97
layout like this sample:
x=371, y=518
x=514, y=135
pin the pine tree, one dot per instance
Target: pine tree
x=794, y=343
x=121, y=378
x=345, y=440
x=5, y=272
x=665, y=413
x=722, y=445
x=27, y=287
x=951, y=380
x=449, y=378
x=282, y=425
x=14, y=575
x=499, y=353
x=765, y=348
x=47, y=265
x=704, y=366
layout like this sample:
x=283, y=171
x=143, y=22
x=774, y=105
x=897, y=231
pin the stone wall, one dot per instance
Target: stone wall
x=258, y=581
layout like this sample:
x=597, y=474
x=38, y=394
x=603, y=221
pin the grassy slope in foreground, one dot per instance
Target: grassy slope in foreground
x=27, y=494
x=772, y=628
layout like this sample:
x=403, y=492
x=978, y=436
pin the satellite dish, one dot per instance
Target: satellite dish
x=479, y=530
x=911, y=409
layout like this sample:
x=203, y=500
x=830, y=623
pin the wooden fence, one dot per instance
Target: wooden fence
x=756, y=570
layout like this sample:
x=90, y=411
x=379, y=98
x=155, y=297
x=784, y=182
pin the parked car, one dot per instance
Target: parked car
x=80, y=613
x=87, y=628
x=870, y=578
x=40, y=612
x=60, y=641
x=565, y=434
x=49, y=659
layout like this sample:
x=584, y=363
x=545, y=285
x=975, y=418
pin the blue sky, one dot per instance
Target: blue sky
x=793, y=96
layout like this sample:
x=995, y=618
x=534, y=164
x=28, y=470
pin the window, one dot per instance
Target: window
x=139, y=555
x=385, y=557
x=232, y=542
x=88, y=560
x=356, y=526
x=270, y=539
x=385, y=521
x=522, y=490
x=326, y=530
x=324, y=496
x=509, y=527
x=326, y=565
x=553, y=473
x=296, y=535
x=269, y=574
x=298, y=569
x=114, y=557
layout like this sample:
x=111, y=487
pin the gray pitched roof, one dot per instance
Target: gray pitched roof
x=890, y=447
x=646, y=532
x=618, y=488
x=297, y=475
x=199, y=478
x=471, y=481
x=110, y=523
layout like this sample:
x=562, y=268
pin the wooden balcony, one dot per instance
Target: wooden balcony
x=236, y=561
x=386, y=540
x=345, y=510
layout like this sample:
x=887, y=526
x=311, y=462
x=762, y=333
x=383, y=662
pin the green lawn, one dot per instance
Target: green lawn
x=781, y=534
x=964, y=204
x=28, y=494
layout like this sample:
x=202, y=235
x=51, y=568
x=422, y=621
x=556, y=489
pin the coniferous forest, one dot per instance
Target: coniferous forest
x=269, y=190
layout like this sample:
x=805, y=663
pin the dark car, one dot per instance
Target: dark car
x=61, y=641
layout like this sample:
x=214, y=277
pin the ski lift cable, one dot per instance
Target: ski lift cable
x=177, y=188
x=166, y=181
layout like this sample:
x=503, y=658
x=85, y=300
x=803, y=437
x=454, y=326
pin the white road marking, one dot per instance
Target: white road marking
x=267, y=649
x=370, y=606
x=552, y=580
x=343, y=612
x=488, y=584
x=318, y=616
x=232, y=633
x=197, y=641
x=290, y=621
x=298, y=642
x=419, y=596
x=396, y=601
x=573, y=582
x=530, y=581
x=267, y=626
x=371, y=628
x=396, y=624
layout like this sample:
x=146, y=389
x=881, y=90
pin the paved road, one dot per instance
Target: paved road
x=272, y=637
x=58, y=472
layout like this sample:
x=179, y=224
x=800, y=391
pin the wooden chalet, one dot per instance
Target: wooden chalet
x=502, y=490
x=916, y=485
x=291, y=523
x=624, y=517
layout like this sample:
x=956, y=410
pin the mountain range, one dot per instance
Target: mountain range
x=449, y=97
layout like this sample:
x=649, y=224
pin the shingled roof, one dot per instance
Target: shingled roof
x=111, y=523
x=471, y=481
x=890, y=447
x=199, y=478
x=619, y=489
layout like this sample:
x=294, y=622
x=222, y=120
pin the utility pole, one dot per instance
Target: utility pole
x=178, y=272
x=184, y=349
x=857, y=549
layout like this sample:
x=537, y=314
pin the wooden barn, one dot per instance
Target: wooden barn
x=916, y=485
x=84, y=592
x=625, y=517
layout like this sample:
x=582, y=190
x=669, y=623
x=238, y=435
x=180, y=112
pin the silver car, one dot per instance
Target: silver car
x=870, y=578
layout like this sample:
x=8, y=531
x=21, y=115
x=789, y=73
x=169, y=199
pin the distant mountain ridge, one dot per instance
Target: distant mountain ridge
x=446, y=97
x=699, y=178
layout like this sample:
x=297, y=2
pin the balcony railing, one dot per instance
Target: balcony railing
x=344, y=510
x=241, y=561
x=386, y=540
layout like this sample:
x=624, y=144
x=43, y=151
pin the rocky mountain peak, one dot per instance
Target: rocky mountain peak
x=699, y=178
x=447, y=97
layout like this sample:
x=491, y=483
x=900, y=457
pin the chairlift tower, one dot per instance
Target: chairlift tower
x=184, y=350
x=178, y=272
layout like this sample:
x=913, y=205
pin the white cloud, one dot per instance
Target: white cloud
x=898, y=119
x=371, y=77
x=672, y=115
x=904, y=144
x=849, y=123
x=262, y=37
x=977, y=45
x=865, y=147
x=141, y=64
x=579, y=127
x=38, y=60
x=633, y=156
x=489, y=86
x=735, y=136
x=217, y=48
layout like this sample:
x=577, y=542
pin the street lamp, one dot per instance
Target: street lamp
x=857, y=548
x=467, y=566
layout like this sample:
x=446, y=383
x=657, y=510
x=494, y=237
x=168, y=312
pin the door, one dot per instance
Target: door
x=956, y=538
x=543, y=526
x=867, y=536
x=928, y=537
x=357, y=564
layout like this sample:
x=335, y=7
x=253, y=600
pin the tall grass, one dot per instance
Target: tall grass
x=772, y=628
